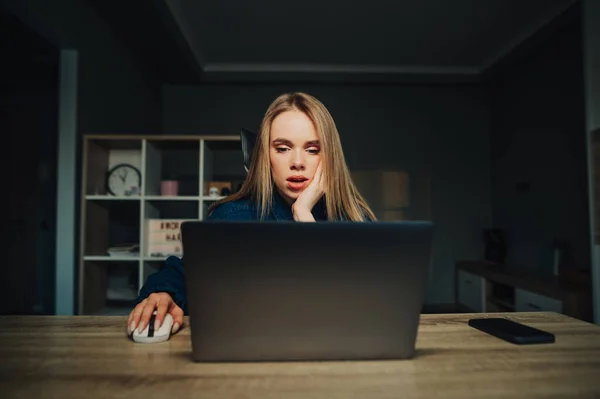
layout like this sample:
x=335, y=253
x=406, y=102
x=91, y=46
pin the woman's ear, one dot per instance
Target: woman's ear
x=248, y=139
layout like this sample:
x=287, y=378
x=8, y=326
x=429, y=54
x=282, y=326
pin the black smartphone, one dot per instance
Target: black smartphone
x=511, y=331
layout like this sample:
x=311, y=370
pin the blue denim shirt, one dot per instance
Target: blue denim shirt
x=171, y=277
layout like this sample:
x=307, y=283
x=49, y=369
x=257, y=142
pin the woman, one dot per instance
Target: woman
x=298, y=173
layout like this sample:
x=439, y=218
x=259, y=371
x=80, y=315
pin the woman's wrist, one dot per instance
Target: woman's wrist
x=302, y=215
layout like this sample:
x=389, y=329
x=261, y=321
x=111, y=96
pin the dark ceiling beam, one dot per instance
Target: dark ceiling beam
x=150, y=31
x=296, y=77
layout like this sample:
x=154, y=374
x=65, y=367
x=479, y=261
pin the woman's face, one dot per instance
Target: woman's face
x=295, y=153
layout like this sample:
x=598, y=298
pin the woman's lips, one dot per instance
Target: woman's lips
x=296, y=183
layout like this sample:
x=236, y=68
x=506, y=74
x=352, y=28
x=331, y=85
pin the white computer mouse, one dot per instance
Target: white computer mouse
x=149, y=335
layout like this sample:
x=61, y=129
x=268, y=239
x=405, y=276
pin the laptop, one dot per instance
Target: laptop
x=288, y=291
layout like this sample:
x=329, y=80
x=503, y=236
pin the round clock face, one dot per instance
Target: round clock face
x=124, y=180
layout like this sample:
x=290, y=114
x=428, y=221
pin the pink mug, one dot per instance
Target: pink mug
x=169, y=187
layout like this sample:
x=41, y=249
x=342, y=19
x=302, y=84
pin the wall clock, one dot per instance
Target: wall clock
x=124, y=180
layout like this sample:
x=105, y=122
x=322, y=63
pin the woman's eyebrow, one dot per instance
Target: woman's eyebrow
x=282, y=141
x=278, y=141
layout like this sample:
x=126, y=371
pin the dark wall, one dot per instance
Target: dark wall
x=116, y=92
x=28, y=121
x=539, y=172
x=115, y=95
x=439, y=134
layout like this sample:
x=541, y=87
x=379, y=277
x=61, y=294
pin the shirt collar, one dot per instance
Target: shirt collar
x=281, y=209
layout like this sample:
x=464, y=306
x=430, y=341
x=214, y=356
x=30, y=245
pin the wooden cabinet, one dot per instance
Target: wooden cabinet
x=527, y=301
x=109, y=280
x=471, y=291
x=595, y=181
x=486, y=287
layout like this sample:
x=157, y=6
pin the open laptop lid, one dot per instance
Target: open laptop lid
x=312, y=291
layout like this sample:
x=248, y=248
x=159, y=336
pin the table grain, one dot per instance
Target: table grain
x=91, y=357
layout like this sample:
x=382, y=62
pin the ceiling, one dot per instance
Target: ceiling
x=273, y=40
x=34, y=62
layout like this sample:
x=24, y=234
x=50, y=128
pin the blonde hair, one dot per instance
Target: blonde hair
x=342, y=198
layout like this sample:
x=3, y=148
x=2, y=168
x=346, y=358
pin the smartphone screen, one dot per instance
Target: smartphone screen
x=512, y=331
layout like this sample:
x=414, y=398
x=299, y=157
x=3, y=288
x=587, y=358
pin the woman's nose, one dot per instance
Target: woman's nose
x=298, y=161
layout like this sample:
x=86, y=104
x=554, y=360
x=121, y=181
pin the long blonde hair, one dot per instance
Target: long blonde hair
x=342, y=198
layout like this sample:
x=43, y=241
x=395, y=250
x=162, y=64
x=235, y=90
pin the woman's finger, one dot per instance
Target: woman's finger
x=319, y=176
x=146, y=314
x=316, y=180
x=320, y=171
x=129, y=321
x=177, y=314
x=161, y=311
x=134, y=317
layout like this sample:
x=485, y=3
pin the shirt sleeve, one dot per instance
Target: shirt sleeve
x=170, y=279
x=234, y=211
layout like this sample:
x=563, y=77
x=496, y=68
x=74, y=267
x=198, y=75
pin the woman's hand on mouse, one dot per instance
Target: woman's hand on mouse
x=306, y=201
x=163, y=304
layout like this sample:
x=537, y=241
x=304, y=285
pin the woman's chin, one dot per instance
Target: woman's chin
x=291, y=195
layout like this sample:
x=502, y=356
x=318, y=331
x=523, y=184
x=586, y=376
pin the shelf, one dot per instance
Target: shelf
x=166, y=209
x=105, y=281
x=160, y=232
x=101, y=155
x=170, y=198
x=172, y=160
x=112, y=223
x=108, y=258
x=111, y=198
x=149, y=219
x=223, y=162
x=225, y=144
x=501, y=304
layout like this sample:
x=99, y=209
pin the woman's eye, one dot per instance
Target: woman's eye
x=281, y=149
x=313, y=151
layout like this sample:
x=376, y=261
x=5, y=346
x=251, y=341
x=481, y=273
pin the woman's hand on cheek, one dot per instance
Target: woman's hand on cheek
x=306, y=201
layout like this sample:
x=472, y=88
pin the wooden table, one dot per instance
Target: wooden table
x=90, y=357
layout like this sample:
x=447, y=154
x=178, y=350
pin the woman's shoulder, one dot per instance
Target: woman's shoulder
x=241, y=209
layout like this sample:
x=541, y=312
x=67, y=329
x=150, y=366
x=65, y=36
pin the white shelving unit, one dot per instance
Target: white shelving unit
x=109, y=284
